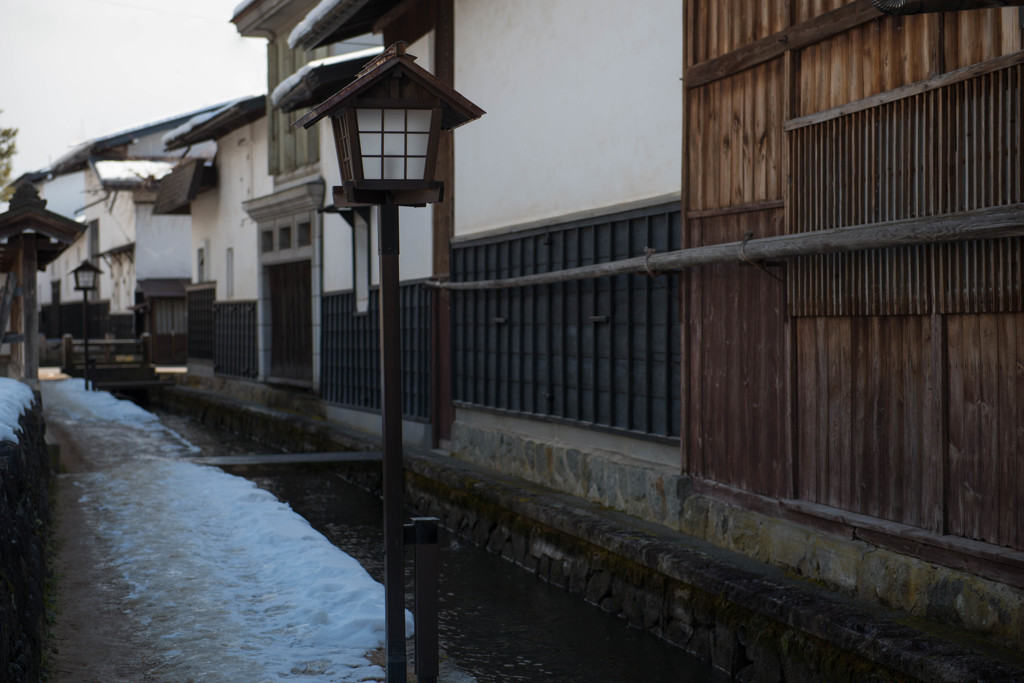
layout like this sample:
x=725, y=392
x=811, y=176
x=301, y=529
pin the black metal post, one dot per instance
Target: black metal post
x=85, y=336
x=426, y=571
x=391, y=432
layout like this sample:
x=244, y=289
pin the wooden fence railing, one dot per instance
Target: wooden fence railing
x=113, y=363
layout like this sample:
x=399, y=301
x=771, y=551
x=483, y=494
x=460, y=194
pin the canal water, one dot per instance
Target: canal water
x=498, y=622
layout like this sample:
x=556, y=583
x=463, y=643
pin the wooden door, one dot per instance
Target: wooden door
x=291, y=322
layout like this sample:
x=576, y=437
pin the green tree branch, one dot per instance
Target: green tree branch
x=7, y=151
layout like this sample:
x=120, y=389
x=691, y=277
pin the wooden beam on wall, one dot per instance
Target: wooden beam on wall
x=907, y=91
x=30, y=310
x=444, y=69
x=441, y=410
x=793, y=38
x=684, y=278
x=987, y=223
x=408, y=21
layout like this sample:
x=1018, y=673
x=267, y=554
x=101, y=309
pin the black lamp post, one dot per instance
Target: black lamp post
x=86, y=280
x=386, y=125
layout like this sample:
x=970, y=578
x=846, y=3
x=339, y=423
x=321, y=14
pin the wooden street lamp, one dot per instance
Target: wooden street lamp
x=86, y=276
x=386, y=125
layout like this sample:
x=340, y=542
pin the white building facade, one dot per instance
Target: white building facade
x=109, y=185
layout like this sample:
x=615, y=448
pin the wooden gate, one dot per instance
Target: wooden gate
x=291, y=322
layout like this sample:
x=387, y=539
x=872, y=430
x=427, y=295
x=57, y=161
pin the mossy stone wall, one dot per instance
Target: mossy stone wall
x=24, y=524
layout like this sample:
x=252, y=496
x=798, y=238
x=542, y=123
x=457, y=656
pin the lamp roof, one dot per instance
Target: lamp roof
x=456, y=109
x=86, y=266
x=27, y=218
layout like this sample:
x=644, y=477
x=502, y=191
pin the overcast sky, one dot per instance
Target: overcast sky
x=73, y=70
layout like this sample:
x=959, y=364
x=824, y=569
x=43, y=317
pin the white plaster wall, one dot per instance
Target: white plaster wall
x=163, y=251
x=65, y=194
x=336, y=233
x=217, y=214
x=583, y=101
x=423, y=50
x=59, y=270
x=115, y=212
x=120, y=273
x=161, y=245
x=415, y=260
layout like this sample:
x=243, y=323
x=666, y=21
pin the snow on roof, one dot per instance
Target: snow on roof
x=80, y=151
x=241, y=6
x=15, y=399
x=288, y=84
x=200, y=119
x=323, y=8
x=132, y=171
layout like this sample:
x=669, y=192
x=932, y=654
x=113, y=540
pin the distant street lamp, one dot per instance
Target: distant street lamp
x=86, y=280
x=387, y=125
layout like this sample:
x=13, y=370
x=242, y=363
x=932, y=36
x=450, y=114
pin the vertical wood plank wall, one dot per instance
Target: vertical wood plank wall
x=288, y=149
x=886, y=382
x=738, y=375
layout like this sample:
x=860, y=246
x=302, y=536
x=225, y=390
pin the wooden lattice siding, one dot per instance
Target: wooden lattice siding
x=884, y=382
x=350, y=351
x=235, y=343
x=597, y=352
x=200, y=323
x=981, y=276
x=952, y=149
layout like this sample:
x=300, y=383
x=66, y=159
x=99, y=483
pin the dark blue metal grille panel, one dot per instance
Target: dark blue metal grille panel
x=601, y=352
x=200, y=323
x=234, y=353
x=350, y=371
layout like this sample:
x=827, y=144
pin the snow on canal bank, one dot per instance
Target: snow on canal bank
x=225, y=581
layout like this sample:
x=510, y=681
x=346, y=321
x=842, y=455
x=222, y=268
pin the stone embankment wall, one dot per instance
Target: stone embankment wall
x=953, y=598
x=748, y=619
x=24, y=521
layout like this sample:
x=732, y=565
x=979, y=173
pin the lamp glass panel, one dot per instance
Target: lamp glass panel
x=394, y=120
x=394, y=144
x=394, y=168
x=372, y=168
x=369, y=119
x=369, y=144
x=85, y=279
x=416, y=166
x=419, y=120
x=417, y=144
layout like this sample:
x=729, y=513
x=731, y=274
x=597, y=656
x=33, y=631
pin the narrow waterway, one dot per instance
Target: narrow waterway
x=498, y=622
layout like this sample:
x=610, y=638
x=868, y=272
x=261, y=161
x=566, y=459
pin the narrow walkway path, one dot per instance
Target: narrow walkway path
x=172, y=571
x=94, y=639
